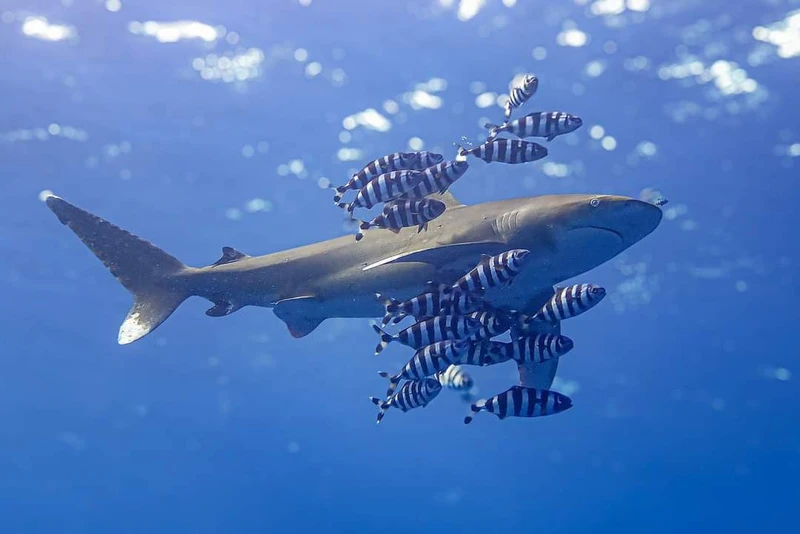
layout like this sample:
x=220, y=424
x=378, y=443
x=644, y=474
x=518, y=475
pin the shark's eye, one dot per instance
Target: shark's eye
x=594, y=202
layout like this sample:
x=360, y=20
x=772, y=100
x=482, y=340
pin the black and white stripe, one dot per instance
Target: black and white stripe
x=422, y=306
x=493, y=324
x=569, y=302
x=439, y=328
x=461, y=302
x=438, y=178
x=456, y=378
x=483, y=353
x=493, y=271
x=538, y=348
x=540, y=124
x=414, y=394
x=399, y=161
x=404, y=213
x=521, y=93
x=427, y=361
x=383, y=188
x=505, y=151
x=519, y=401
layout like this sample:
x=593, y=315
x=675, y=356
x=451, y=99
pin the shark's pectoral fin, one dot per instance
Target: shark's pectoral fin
x=541, y=375
x=230, y=255
x=441, y=255
x=296, y=313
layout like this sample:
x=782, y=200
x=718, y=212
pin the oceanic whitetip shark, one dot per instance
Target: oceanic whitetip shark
x=566, y=234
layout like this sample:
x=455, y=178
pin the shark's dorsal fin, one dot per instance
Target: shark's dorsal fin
x=441, y=255
x=295, y=312
x=230, y=255
x=448, y=199
x=539, y=375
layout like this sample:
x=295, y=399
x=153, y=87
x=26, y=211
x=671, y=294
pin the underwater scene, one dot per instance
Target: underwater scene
x=471, y=266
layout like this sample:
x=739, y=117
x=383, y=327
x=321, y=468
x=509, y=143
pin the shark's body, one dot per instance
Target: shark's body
x=566, y=234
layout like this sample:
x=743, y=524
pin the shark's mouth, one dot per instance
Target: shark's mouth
x=609, y=230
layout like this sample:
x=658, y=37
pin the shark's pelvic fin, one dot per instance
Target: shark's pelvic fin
x=541, y=375
x=150, y=274
x=230, y=255
x=442, y=255
x=222, y=308
x=295, y=313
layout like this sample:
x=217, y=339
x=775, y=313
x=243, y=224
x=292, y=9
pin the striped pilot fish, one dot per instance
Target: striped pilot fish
x=399, y=161
x=438, y=178
x=569, y=302
x=383, y=188
x=454, y=377
x=505, y=151
x=404, y=213
x=537, y=348
x=521, y=93
x=520, y=401
x=482, y=353
x=493, y=323
x=439, y=328
x=427, y=361
x=493, y=271
x=540, y=124
x=414, y=394
x=422, y=306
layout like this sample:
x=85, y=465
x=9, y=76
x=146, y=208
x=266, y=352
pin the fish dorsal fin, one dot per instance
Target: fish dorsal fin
x=442, y=255
x=447, y=199
x=295, y=312
x=230, y=255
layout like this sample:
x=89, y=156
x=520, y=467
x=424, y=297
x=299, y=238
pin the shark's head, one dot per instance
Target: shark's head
x=570, y=234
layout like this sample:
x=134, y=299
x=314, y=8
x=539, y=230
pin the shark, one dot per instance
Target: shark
x=567, y=235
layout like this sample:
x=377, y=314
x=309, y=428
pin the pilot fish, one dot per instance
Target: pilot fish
x=519, y=401
x=537, y=348
x=399, y=161
x=438, y=178
x=439, y=328
x=569, y=302
x=404, y=213
x=427, y=361
x=493, y=271
x=521, y=93
x=505, y=151
x=413, y=394
x=456, y=378
x=540, y=124
x=384, y=188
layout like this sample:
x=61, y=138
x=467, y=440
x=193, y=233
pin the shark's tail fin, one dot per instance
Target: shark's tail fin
x=150, y=274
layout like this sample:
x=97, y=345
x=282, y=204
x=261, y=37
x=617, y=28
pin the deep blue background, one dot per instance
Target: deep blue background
x=230, y=425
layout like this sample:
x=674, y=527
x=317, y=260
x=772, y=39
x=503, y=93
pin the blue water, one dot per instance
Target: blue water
x=685, y=379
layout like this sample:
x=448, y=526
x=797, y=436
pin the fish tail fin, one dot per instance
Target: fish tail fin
x=361, y=227
x=461, y=152
x=385, y=339
x=474, y=409
x=391, y=307
x=393, y=381
x=493, y=130
x=337, y=198
x=383, y=405
x=151, y=275
x=507, y=110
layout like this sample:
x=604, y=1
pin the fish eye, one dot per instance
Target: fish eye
x=594, y=202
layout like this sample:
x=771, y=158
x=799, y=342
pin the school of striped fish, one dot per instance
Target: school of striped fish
x=454, y=327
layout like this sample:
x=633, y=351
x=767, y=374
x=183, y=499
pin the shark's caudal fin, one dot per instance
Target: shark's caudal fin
x=149, y=273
